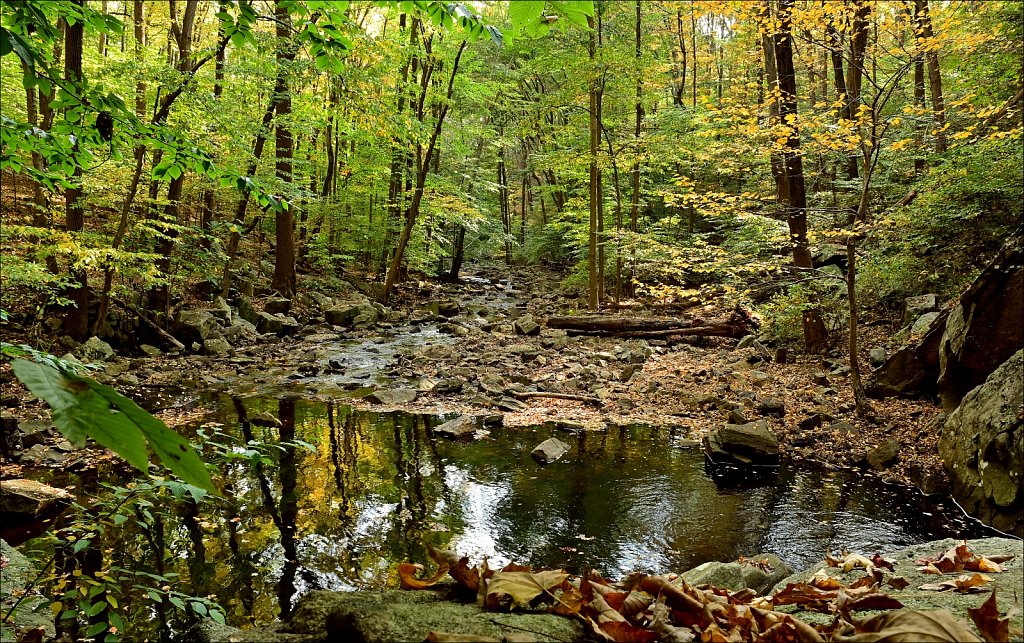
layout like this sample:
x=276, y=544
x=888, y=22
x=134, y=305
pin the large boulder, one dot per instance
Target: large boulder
x=95, y=350
x=759, y=573
x=358, y=314
x=195, y=326
x=913, y=369
x=914, y=307
x=982, y=447
x=745, y=444
x=985, y=327
x=18, y=575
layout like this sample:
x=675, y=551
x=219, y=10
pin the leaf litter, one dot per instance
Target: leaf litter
x=644, y=608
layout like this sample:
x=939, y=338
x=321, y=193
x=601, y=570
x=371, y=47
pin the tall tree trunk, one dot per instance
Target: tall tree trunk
x=795, y=201
x=693, y=49
x=919, y=161
x=417, y=195
x=600, y=177
x=634, y=200
x=595, y=176
x=76, y=319
x=925, y=33
x=855, y=75
x=844, y=112
x=284, y=253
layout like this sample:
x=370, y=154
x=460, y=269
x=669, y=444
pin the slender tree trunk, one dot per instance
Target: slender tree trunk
x=795, y=203
x=924, y=32
x=600, y=178
x=417, y=195
x=76, y=319
x=634, y=201
x=919, y=161
x=595, y=174
x=284, y=253
x=693, y=48
x=855, y=76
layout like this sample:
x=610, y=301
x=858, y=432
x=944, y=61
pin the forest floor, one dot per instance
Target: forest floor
x=481, y=362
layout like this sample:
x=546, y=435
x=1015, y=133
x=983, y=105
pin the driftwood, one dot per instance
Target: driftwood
x=736, y=325
x=163, y=334
x=558, y=396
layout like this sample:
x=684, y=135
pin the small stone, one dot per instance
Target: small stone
x=770, y=406
x=876, y=357
x=526, y=325
x=746, y=342
x=460, y=427
x=821, y=379
x=150, y=351
x=216, y=347
x=884, y=454
x=392, y=396
x=278, y=305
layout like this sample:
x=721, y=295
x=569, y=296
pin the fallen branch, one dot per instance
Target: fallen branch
x=163, y=334
x=558, y=396
x=738, y=324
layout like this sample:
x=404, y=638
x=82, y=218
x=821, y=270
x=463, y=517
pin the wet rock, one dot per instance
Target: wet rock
x=359, y=314
x=392, y=396
x=549, y=451
x=876, y=356
x=883, y=455
x=461, y=427
x=216, y=347
x=277, y=305
x=95, y=350
x=751, y=443
x=982, y=448
x=759, y=573
x=457, y=330
x=526, y=325
x=914, y=307
x=194, y=326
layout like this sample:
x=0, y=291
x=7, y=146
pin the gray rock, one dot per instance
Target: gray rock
x=351, y=313
x=770, y=406
x=240, y=330
x=736, y=417
x=549, y=451
x=449, y=385
x=247, y=311
x=392, y=396
x=876, y=356
x=526, y=325
x=1006, y=584
x=746, y=342
x=461, y=427
x=923, y=324
x=759, y=573
x=982, y=448
x=526, y=351
x=195, y=326
x=510, y=404
x=221, y=310
x=28, y=507
x=216, y=347
x=33, y=432
x=150, y=351
x=95, y=350
x=884, y=454
x=277, y=305
x=914, y=307
x=751, y=443
x=492, y=384
x=912, y=370
x=268, y=324
x=18, y=574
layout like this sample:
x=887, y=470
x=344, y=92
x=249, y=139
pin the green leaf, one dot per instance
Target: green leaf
x=177, y=602
x=95, y=629
x=218, y=616
x=6, y=46
x=577, y=18
x=82, y=407
x=97, y=608
x=81, y=544
x=523, y=12
x=199, y=609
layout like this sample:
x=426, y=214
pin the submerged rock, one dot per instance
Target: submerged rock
x=549, y=451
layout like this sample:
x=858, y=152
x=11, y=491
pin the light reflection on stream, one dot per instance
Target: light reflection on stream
x=379, y=486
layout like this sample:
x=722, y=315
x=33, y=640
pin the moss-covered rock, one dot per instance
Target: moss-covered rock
x=1007, y=584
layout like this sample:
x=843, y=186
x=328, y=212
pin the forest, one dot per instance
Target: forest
x=300, y=297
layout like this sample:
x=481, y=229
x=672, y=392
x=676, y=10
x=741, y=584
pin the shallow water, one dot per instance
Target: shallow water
x=379, y=486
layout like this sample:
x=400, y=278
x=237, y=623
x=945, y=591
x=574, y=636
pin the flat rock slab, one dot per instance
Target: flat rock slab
x=549, y=451
x=374, y=617
x=759, y=573
x=752, y=443
x=392, y=396
x=461, y=427
x=27, y=500
x=1007, y=584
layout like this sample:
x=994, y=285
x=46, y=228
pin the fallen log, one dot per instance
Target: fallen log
x=161, y=333
x=738, y=324
x=558, y=396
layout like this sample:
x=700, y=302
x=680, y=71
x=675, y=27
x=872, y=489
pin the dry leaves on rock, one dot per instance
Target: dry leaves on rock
x=910, y=626
x=960, y=558
x=987, y=620
x=965, y=584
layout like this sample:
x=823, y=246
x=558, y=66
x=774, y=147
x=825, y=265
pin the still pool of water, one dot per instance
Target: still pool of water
x=374, y=487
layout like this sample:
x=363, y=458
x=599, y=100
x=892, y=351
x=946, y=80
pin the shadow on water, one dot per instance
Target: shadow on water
x=372, y=488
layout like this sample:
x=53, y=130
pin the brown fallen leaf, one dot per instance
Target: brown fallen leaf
x=986, y=619
x=983, y=564
x=517, y=589
x=965, y=584
x=458, y=567
x=599, y=610
x=661, y=624
x=930, y=569
x=911, y=626
x=853, y=561
x=822, y=580
x=805, y=595
x=883, y=563
x=874, y=601
x=897, y=582
x=622, y=632
x=407, y=575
